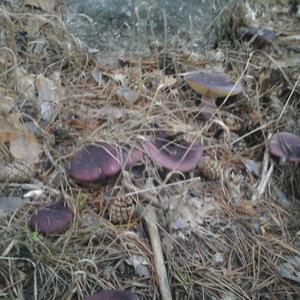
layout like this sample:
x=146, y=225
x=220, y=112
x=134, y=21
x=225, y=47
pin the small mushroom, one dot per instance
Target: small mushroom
x=260, y=37
x=211, y=86
x=51, y=220
x=182, y=157
x=113, y=295
x=95, y=163
x=286, y=146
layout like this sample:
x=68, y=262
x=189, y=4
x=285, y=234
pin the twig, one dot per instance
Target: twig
x=265, y=177
x=161, y=273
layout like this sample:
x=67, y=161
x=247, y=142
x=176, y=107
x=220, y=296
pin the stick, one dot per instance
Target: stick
x=265, y=177
x=161, y=273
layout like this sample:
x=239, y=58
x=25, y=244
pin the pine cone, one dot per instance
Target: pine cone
x=122, y=210
x=17, y=171
x=210, y=168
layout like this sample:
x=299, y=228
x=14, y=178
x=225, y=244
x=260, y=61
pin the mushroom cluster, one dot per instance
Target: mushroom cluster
x=102, y=160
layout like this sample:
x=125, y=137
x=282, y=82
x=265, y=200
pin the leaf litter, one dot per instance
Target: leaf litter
x=230, y=236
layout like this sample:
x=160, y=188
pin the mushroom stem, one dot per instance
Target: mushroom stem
x=208, y=106
x=209, y=101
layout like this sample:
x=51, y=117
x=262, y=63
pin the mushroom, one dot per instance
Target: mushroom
x=182, y=157
x=102, y=160
x=211, y=86
x=259, y=37
x=54, y=219
x=95, y=163
x=112, y=295
x=286, y=146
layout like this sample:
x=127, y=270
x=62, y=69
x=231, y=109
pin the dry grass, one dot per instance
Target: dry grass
x=232, y=253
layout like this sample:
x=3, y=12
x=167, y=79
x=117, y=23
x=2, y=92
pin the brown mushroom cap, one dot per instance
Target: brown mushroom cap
x=212, y=85
x=113, y=295
x=182, y=157
x=286, y=146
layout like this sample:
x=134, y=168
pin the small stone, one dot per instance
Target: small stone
x=218, y=259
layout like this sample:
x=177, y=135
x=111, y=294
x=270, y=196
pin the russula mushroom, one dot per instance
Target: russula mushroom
x=260, y=37
x=286, y=146
x=211, y=86
x=51, y=220
x=102, y=160
x=94, y=163
x=182, y=157
x=113, y=295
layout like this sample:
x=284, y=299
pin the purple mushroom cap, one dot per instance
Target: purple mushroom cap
x=182, y=157
x=95, y=163
x=51, y=220
x=286, y=146
x=113, y=295
x=212, y=85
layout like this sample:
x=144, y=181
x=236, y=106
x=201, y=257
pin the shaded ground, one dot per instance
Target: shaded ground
x=233, y=238
x=119, y=27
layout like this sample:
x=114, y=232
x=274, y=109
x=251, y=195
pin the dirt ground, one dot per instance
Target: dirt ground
x=228, y=229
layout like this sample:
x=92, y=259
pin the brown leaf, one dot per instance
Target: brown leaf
x=25, y=147
x=6, y=105
x=107, y=111
x=49, y=95
x=10, y=127
x=8, y=204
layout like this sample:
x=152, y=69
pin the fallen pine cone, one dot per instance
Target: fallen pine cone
x=122, y=210
x=210, y=168
x=18, y=171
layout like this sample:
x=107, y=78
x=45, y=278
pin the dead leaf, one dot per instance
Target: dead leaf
x=97, y=76
x=49, y=95
x=25, y=147
x=107, y=111
x=25, y=83
x=128, y=95
x=9, y=204
x=290, y=269
x=169, y=81
x=10, y=127
x=192, y=212
x=46, y=5
x=140, y=264
x=247, y=207
x=6, y=105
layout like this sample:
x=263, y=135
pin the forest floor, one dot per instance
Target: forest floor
x=234, y=235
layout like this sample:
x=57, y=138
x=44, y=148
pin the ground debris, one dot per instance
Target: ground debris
x=225, y=226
